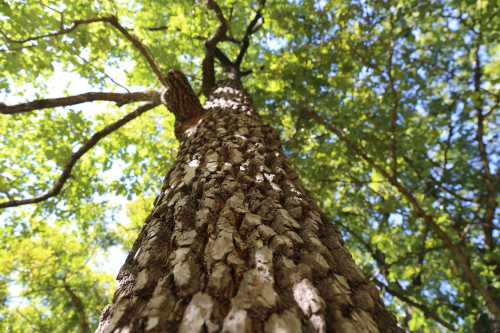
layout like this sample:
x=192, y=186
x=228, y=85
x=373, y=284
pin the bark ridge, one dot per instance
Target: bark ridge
x=236, y=244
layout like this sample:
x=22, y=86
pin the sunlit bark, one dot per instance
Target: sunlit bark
x=235, y=244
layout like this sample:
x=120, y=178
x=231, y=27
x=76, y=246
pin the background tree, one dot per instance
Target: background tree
x=387, y=109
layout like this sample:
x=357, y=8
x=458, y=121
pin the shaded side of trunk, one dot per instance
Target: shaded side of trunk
x=235, y=243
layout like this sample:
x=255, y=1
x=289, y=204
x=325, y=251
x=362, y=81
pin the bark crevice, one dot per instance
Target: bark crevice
x=236, y=244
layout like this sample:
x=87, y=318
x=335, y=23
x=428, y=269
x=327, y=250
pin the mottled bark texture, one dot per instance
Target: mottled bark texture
x=235, y=243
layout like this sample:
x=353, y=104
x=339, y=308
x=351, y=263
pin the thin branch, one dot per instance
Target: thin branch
x=158, y=28
x=63, y=31
x=379, y=258
x=222, y=57
x=76, y=301
x=459, y=254
x=118, y=98
x=394, y=109
x=231, y=39
x=490, y=200
x=94, y=139
x=428, y=312
x=354, y=181
x=225, y=39
x=104, y=72
x=246, y=72
x=433, y=181
x=447, y=144
x=411, y=254
x=17, y=49
x=113, y=20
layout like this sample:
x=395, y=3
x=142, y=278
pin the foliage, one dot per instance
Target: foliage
x=411, y=87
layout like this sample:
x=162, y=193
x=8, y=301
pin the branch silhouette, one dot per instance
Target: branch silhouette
x=113, y=21
x=118, y=98
x=94, y=140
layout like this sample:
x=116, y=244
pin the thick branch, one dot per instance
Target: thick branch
x=252, y=28
x=212, y=52
x=208, y=82
x=66, y=173
x=223, y=59
x=182, y=101
x=458, y=253
x=118, y=98
x=220, y=33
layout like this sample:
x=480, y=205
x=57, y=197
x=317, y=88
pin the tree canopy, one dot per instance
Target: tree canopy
x=387, y=109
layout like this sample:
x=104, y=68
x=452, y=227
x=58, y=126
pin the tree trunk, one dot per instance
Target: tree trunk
x=235, y=243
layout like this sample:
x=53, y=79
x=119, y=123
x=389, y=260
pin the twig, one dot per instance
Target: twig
x=17, y=49
x=395, y=106
x=158, y=28
x=104, y=72
x=119, y=98
x=66, y=173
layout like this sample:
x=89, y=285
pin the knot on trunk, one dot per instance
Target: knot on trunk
x=181, y=100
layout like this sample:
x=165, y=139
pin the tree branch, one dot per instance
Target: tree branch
x=119, y=98
x=379, y=258
x=222, y=57
x=394, y=109
x=489, y=182
x=79, y=307
x=428, y=312
x=87, y=62
x=113, y=20
x=158, y=28
x=219, y=35
x=62, y=31
x=459, y=254
x=433, y=181
x=252, y=28
x=213, y=52
x=94, y=139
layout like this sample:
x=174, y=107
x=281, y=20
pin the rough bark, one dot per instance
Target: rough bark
x=236, y=244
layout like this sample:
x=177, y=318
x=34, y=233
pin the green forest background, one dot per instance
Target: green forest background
x=387, y=109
